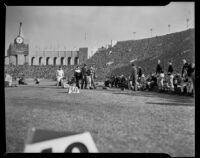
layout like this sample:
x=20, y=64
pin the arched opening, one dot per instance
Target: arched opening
x=69, y=61
x=40, y=61
x=62, y=61
x=54, y=60
x=76, y=61
x=47, y=61
x=32, y=60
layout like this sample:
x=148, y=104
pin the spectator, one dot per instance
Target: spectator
x=59, y=76
x=117, y=78
x=143, y=82
x=160, y=81
x=22, y=79
x=139, y=73
x=37, y=81
x=134, y=76
x=183, y=86
x=191, y=75
x=170, y=76
x=84, y=76
x=112, y=81
x=185, y=68
x=8, y=80
x=88, y=72
x=107, y=83
x=93, y=76
x=158, y=68
x=78, y=76
x=123, y=82
x=160, y=75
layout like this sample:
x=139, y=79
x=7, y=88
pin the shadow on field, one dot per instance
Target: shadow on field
x=48, y=87
x=172, y=104
x=61, y=92
x=168, y=99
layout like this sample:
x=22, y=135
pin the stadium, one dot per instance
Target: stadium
x=158, y=117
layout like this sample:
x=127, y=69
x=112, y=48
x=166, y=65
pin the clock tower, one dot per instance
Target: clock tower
x=19, y=39
x=18, y=51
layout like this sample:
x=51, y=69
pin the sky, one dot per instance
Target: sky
x=72, y=27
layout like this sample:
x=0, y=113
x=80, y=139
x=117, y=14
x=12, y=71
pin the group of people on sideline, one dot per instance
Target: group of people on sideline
x=162, y=81
x=83, y=77
x=8, y=80
x=180, y=83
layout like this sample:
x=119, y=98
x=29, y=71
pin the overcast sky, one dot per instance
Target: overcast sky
x=61, y=26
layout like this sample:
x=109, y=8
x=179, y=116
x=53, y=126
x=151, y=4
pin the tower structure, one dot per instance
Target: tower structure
x=18, y=54
x=18, y=51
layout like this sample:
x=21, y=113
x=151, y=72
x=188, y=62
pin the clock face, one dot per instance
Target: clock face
x=19, y=40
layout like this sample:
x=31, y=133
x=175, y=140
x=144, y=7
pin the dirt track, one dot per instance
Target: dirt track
x=118, y=121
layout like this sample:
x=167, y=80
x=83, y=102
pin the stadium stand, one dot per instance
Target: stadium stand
x=116, y=60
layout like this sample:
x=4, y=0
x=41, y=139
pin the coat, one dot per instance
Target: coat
x=158, y=69
x=133, y=76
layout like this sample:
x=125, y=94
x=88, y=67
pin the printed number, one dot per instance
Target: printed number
x=48, y=150
x=82, y=148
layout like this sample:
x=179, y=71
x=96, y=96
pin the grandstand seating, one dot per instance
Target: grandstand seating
x=175, y=47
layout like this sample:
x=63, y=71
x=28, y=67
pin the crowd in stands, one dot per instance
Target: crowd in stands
x=161, y=81
x=145, y=52
x=46, y=72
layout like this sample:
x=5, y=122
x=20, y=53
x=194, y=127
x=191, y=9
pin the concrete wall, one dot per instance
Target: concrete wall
x=26, y=59
x=82, y=55
x=51, y=61
x=43, y=61
x=6, y=60
x=58, y=62
x=20, y=59
x=13, y=60
x=72, y=61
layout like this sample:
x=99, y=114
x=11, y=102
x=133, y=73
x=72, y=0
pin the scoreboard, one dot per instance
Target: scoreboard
x=15, y=49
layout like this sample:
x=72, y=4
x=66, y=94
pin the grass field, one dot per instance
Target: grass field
x=119, y=121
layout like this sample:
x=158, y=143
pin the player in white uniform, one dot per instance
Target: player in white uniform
x=8, y=79
x=59, y=75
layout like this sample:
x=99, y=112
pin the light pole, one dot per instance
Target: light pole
x=134, y=35
x=151, y=31
x=187, y=20
x=169, y=27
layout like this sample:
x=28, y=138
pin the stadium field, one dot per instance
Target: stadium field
x=119, y=121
